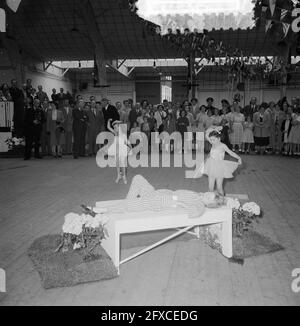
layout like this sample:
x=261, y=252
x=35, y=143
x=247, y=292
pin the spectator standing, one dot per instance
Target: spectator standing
x=68, y=126
x=261, y=121
x=54, y=96
x=109, y=112
x=92, y=129
x=251, y=108
x=80, y=120
x=34, y=120
x=45, y=136
x=134, y=113
x=41, y=95
x=55, y=125
x=237, y=121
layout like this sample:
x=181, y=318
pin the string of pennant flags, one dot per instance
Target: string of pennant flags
x=207, y=50
x=276, y=12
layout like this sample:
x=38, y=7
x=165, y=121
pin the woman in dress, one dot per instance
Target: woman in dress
x=170, y=128
x=237, y=120
x=209, y=121
x=55, y=121
x=286, y=129
x=225, y=117
x=279, y=117
x=294, y=137
x=182, y=125
x=248, y=138
x=271, y=111
x=201, y=119
x=192, y=126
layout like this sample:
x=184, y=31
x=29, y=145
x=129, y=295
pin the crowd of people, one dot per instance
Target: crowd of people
x=63, y=125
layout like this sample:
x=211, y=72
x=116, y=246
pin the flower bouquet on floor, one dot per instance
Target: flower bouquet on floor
x=85, y=231
x=243, y=216
x=16, y=146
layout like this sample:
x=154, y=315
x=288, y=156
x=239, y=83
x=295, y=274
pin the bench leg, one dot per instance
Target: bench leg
x=226, y=238
x=174, y=235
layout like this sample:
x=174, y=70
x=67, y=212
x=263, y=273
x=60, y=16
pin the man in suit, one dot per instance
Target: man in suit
x=210, y=102
x=109, y=112
x=19, y=103
x=134, y=113
x=41, y=95
x=92, y=128
x=54, y=95
x=68, y=126
x=250, y=109
x=80, y=120
x=61, y=97
x=262, y=121
x=34, y=120
x=45, y=137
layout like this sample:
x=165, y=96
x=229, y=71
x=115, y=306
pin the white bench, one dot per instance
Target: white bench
x=134, y=222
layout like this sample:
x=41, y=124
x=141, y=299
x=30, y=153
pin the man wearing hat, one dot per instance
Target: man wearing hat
x=109, y=112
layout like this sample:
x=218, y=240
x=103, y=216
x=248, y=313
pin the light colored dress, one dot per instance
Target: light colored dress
x=248, y=137
x=201, y=119
x=236, y=137
x=216, y=166
x=294, y=137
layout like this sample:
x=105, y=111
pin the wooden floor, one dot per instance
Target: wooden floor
x=35, y=196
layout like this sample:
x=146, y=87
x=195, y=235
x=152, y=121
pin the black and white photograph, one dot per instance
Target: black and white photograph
x=149, y=155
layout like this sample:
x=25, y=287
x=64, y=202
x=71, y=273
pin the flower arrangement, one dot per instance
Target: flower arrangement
x=14, y=142
x=85, y=231
x=243, y=216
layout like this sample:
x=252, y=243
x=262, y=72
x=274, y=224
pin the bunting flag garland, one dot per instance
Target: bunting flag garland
x=272, y=4
x=286, y=28
x=283, y=14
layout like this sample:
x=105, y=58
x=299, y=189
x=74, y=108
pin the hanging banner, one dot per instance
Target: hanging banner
x=2, y=21
x=13, y=4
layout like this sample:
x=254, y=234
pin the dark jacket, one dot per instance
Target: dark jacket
x=80, y=119
x=31, y=115
x=110, y=112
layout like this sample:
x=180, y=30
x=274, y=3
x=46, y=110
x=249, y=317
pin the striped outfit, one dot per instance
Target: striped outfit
x=143, y=196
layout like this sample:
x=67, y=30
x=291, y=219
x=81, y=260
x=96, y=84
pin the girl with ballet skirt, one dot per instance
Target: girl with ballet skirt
x=216, y=167
x=120, y=149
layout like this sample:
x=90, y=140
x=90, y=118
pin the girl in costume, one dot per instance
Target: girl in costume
x=215, y=167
